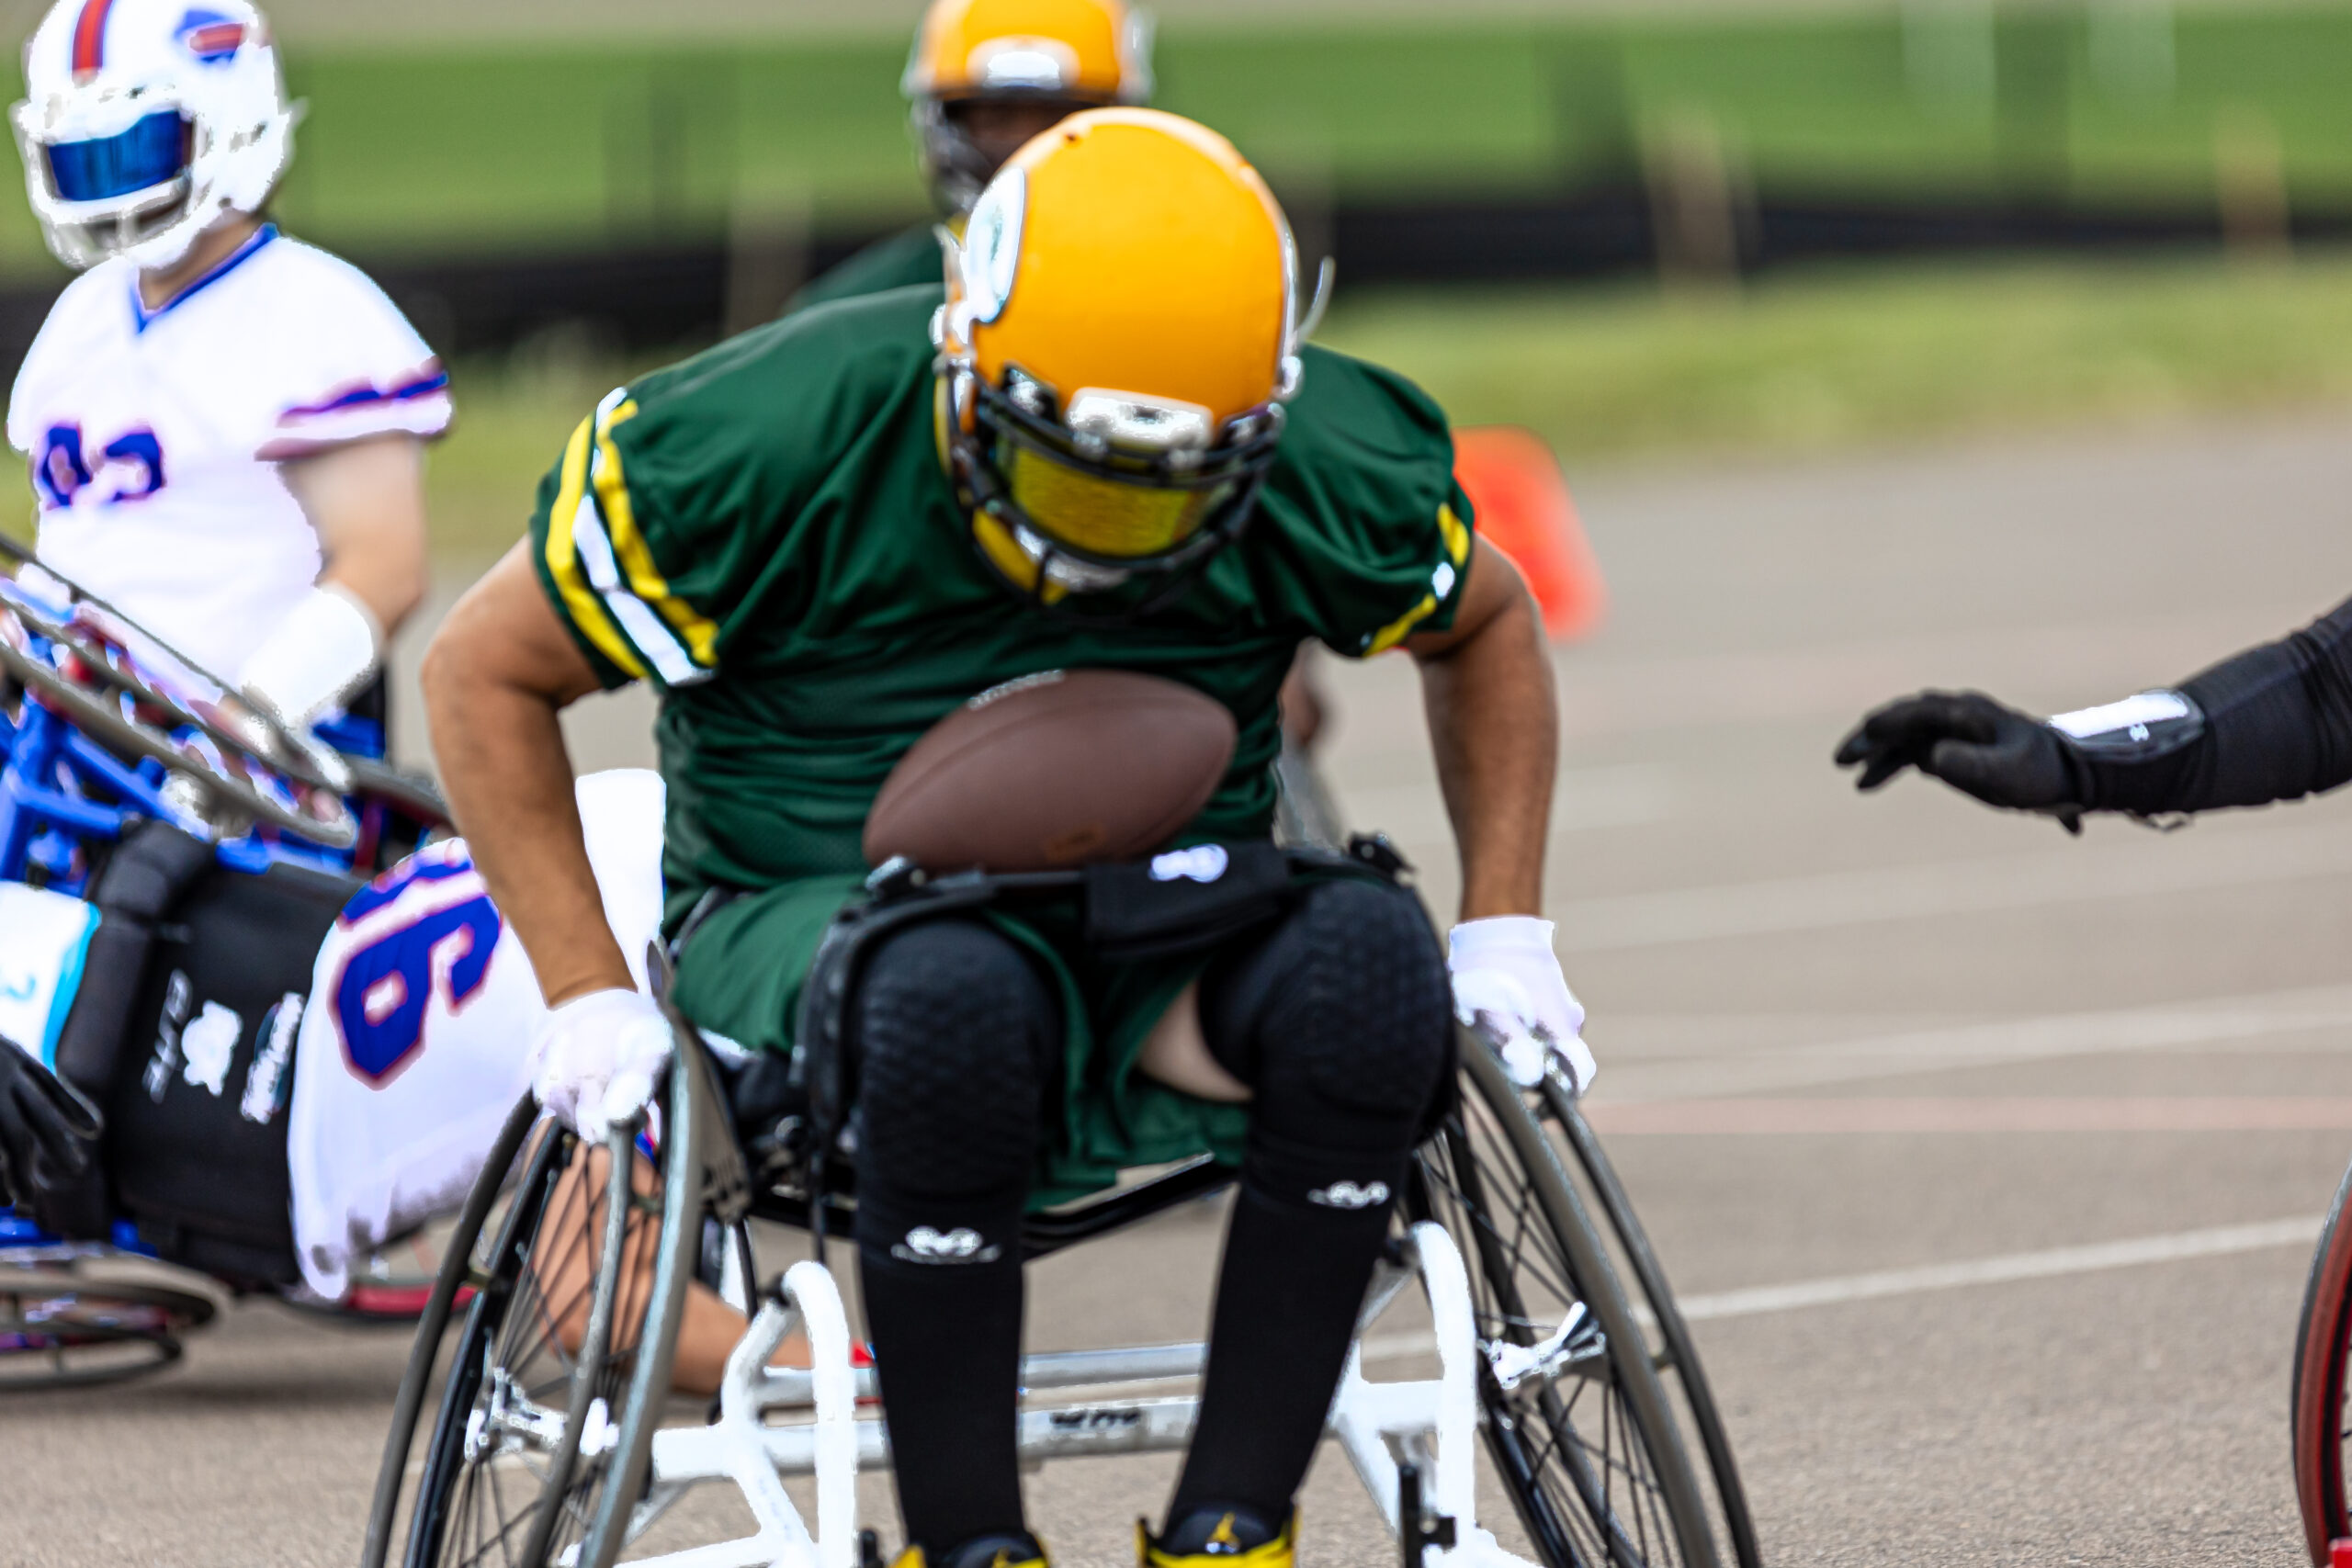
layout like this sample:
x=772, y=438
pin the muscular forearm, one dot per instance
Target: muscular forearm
x=509, y=781
x=2272, y=723
x=1495, y=726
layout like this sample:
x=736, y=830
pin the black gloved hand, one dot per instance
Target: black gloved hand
x=1977, y=746
x=43, y=1119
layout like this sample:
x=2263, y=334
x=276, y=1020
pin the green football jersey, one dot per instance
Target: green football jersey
x=905, y=260
x=768, y=533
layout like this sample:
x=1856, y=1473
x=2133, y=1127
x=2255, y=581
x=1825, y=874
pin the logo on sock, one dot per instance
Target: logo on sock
x=1349, y=1195
x=962, y=1245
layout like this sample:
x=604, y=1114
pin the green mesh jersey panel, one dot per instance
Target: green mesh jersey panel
x=905, y=260
x=766, y=532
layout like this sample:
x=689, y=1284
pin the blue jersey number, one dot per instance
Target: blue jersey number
x=379, y=1004
x=130, y=469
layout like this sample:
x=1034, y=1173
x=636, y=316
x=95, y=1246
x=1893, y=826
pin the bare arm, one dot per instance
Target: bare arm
x=367, y=501
x=496, y=676
x=1494, y=722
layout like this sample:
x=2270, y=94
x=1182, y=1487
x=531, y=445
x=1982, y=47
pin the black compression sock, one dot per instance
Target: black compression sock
x=1295, y=1275
x=942, y=1301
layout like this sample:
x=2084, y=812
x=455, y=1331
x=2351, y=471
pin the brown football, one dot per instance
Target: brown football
x=1054, y=769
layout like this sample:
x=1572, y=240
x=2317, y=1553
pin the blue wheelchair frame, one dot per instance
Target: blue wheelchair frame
x=63, y=794
x=49, y=818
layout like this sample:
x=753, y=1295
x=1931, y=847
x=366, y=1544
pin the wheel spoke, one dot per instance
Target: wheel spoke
x=1585, y=1489
x=506, y=1484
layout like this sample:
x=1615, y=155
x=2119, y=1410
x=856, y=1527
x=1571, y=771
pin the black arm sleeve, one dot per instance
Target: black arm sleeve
x=2278, y=726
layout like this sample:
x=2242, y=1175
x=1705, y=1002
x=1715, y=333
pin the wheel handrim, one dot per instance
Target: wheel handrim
x=523, y=1451
x=1586, y=1489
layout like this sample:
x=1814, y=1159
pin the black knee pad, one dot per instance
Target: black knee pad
x=953, y=1031
x=1345, y=1008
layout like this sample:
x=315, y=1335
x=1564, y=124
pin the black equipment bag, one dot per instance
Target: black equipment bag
x=195, y=1143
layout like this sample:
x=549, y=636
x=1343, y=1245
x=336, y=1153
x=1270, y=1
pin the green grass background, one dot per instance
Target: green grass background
x=1814, y=361
x=476, y=149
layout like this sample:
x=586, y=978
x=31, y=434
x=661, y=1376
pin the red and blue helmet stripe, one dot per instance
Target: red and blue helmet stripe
x=212, y=36
x=90, y=39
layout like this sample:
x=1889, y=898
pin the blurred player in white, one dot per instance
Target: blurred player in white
x=388, y=1078
x=226, y=426
x=416, y=1040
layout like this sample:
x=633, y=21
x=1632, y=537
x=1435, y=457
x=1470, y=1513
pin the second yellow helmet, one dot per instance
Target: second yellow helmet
x=1027, y=62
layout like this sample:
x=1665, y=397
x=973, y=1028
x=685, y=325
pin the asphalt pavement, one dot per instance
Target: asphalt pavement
x=1986, y=1159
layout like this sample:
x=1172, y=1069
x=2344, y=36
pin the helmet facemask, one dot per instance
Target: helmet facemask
x=1113, y=489
x=954, y=166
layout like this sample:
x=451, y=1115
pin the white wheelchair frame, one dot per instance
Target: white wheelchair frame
x=1395, y=1434
x=1414, y=1444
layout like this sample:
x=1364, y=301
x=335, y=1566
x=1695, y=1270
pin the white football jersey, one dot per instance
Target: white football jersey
x=416, y=1042
x=154, y=436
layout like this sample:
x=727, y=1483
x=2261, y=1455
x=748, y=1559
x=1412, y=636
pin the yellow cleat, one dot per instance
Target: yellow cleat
x=995, y=1553
x=1225, y=1547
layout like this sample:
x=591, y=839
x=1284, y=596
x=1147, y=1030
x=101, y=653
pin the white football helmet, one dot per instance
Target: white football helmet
x=148, y=121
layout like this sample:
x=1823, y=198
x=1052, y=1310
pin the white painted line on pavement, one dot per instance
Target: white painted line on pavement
x=2220, y=1242
x=2040, y=1113
x=2134, y=867
x=2211, y=1021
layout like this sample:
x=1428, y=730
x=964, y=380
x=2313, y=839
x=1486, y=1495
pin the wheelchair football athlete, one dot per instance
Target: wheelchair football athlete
x=225, y=426
x=885, y=564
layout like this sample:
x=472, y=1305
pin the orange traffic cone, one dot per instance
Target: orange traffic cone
x=1525, y=511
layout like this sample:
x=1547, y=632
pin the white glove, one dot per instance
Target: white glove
x=318, y=655
x=1507, y=981
x=596, y=1057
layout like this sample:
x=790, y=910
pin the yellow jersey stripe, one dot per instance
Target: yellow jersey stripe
x=1456, y=535
x=1456, y=532
x=1401, y=629
x=580, y=601
x=636, y=556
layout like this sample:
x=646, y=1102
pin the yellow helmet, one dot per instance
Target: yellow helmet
x=1054, y=56
x=1120, y=336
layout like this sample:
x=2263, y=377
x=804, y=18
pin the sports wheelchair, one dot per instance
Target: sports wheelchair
x=108, y=739
x=547, y=1432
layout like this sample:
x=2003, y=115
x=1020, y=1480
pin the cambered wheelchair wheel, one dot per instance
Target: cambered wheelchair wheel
x=61, y=1328
x=1575, y=1420
x=2320, y=1416
x=1672, y=1349
x=537, y=1453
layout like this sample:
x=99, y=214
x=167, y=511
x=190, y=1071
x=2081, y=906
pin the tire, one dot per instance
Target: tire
x=1672, y=1350
x=567, y=1432
x=1591, y=1457
x=458, y=1276
x=61, y=1328
x=2318, y=1416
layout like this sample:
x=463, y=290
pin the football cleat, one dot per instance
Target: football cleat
x=1219, y=1538
x=148, y=121
x=988, y=1551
